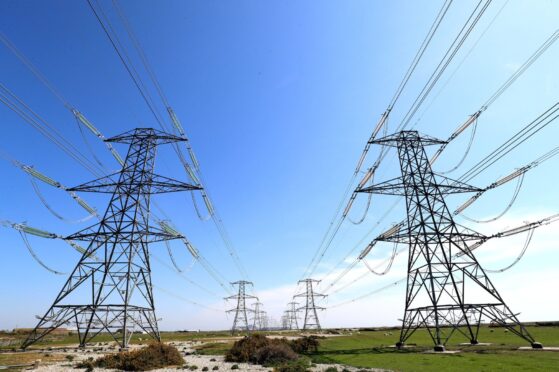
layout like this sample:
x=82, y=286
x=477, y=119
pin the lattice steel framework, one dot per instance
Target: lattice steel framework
x=292, y=320
x=257, y=323
x=110, y=289
x=241, y=322
x=311, y=316
x=440, y=265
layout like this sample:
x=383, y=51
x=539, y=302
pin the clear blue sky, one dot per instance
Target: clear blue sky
x=278, y=98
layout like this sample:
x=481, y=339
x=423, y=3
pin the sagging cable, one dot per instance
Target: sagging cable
x=40, y=176
x=379, y=126
x=88, y=145
x=180, y=129
x=24, y=228
x=197, y=209
x=52, y=211
x=517, y=173
x=471, y=120
x=468, y=148
x=509, y=205
x=516, y=230
x=34, y=255
x=388, y=267
x=83, y=120
x=517, y=259
x=172, y=231
x=368, y=176
x=170, y=252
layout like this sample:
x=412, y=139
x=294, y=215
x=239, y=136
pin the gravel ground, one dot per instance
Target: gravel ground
x=185, y=348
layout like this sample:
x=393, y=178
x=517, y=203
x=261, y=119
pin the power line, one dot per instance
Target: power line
x=437, y=73
x=119, y=48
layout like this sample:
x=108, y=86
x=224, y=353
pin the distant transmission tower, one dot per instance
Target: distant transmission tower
x=240, y=322
x=265, y=321
x=311, y=317
x=284, y=320
x=440, y=265
x=257, y=323
x=291, y=316
x=110, y=289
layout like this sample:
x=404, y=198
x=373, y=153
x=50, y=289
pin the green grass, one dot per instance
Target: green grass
x=371, y=349
x=368, y=349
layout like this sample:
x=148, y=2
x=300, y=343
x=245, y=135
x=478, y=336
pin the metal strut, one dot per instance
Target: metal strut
x=441, y=266
x=115, y=294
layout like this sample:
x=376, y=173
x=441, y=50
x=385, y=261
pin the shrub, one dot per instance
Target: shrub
x=205, y=369
x=245, y=349
x=234, y=366
x=274, y=354
x=215, y=368
x=69, y=357
x=269, y=352
x=305, y=344
x=155, y=355
x=193, y=368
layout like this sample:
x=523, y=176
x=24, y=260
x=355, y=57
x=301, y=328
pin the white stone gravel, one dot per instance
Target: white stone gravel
x=97, y=350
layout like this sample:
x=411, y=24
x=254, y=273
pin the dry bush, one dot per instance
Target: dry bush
x=305, y=344
x=246, y=348
x=261, y=350
x=274, y=354
x=155, y=355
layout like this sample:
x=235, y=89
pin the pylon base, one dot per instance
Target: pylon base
x=439, y=348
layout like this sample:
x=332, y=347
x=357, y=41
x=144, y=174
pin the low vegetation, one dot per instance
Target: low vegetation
x=279, y=353
x=155, y=355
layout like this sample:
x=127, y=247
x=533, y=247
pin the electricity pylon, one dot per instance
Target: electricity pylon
x=265, y=320
x=311, y=317
x=257, y=323
x=240, y=322
x=110, y=289
x=291, y=316
x=441, y=265
x=284, y=320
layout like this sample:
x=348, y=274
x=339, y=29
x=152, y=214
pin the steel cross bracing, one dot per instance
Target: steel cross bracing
x=257, y=321
x=291, y=316
x=241, y=322
x=447, y=289
x=110, y=289
x=311, y=316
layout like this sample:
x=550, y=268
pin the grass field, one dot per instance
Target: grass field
x=367, y=349
x=371, y=349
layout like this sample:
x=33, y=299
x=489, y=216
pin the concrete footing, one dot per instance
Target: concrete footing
x=546, y=348
x=439, y=348
x=478, y=344
x=444, y=352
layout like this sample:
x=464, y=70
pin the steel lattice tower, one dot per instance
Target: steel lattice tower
x=257, y=323
x=440, y=265
x=240, y=322
x=110, y=289
x=311, y=316
x=291, y=316
x=284, y=320
x=265, y=321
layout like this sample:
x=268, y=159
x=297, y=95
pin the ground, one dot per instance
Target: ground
x=353, y=349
